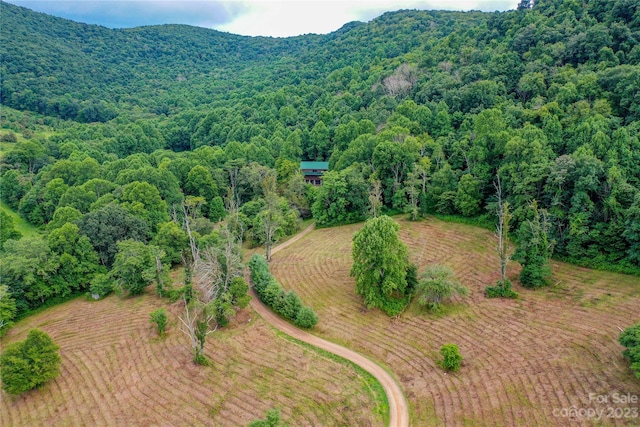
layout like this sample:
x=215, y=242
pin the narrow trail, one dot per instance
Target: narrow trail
x=398, y=407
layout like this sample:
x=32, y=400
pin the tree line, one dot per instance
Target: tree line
x=422, y=118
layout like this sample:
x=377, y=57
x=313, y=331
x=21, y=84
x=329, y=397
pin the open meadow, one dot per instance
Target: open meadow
x=116, y=371
x=526, y=361
x=20, y=224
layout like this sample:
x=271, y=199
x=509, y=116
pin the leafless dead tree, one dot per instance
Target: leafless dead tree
x=502, y=231
x=402, y=80
x=197, y=324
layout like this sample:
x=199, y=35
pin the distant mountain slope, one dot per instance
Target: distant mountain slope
x=86, y=72
x=53, y=65
x=431, y=107
x=90, y=73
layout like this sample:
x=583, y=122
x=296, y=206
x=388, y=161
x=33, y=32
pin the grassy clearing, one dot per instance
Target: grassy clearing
x=372, y=385
x=22, y=225
x=5, y=147
x=116, y=370
x=521, y=358
x=248, y=250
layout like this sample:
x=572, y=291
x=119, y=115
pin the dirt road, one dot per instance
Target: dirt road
x=398, y=407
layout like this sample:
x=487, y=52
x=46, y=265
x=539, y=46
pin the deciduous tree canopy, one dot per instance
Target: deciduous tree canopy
x=380, y=263
x=29, y=364
x=116, y=131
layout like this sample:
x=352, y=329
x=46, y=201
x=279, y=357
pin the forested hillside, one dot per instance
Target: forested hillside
x=148, y=128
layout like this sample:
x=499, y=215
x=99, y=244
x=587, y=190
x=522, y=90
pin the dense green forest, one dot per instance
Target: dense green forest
x=157, y=134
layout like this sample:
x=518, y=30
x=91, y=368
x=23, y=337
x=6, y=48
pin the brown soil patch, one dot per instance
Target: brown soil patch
x=525, y=360
x=116, y=371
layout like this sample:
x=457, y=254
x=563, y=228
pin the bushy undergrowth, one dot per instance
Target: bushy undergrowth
x=500, y=290
x=599, y=263
x=286, y=303
x=630, y=338
x=483, y=221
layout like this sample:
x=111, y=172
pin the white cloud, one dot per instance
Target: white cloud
x=248, y=17
x=287, y=18
x=131, y=13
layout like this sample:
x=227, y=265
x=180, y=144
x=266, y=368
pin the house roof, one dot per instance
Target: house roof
x=314, y=165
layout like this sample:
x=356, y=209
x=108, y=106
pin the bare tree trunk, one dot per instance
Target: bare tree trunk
x=196, y=324
x=502, y=231
x=375, y=197
x=158, y=254
x=413, y=191
x=208, y=275
x=233, y=198
x=271, y=215
x=195, y=254
x=233, y=263
x=269, y=230
x=174, y=214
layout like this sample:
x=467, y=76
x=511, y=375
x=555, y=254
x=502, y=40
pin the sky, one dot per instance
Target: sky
x=276, y=18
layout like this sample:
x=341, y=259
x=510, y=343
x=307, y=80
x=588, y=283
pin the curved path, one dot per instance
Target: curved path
x=398, y=407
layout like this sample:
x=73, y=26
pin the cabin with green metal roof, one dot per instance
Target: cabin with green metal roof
x=313, y=171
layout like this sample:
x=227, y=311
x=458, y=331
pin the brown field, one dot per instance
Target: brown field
x=116, y=371
x=525, y=360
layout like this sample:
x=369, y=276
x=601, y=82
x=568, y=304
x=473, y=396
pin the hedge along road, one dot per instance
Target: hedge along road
x=398, y=407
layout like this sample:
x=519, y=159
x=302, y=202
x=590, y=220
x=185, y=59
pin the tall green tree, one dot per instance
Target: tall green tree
x=29, y=364
x=7, y=229
x=268, y=223
x=134, y=266
x=342, y=198
x=14, y=186
x=172, y=240
x=28, y=266
x=442, y=191
x=143, y=200
x=632, y=231
x=7, y=309
x=380, y=263
x=108, y=225
x=201, y=183
x=77, y=260
x=28, y=155
x=535, y=248
x=468, y=197
x=319, y=142
x=63, y=215
x=40, y=202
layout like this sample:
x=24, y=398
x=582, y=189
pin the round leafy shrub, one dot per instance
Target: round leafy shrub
x=307, y=318
x=159, y=317
x=272, y=293
x=451, y=358
x=291, y=305
x=437, y=286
